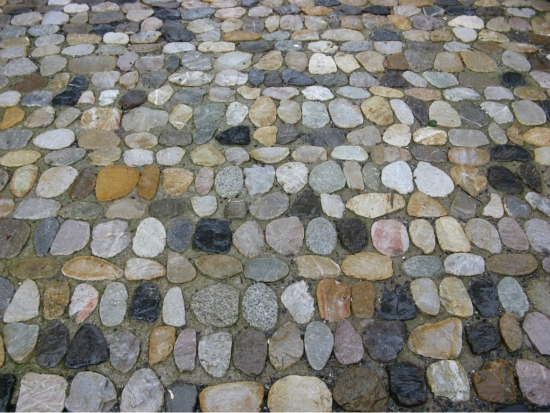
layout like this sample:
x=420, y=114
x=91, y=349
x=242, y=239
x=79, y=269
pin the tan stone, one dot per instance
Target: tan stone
x=430, y=136
x=375, y=205
x=511, y=333
x=19, y=158
x=297, y=393
x=377, y=110
x=448, y=62
x=369, y=266
x=267, y=135
x=316, y=268
x=455, y=298
x=515, y=265
x=421, y=205
x=386, y=92
x=469, y=156
x=451, y=236
x=97, y=139
x=2, y=353
x=219, y=266
x=263, y=112
x=176, y=181
x=56, y=298
x=88, y=268
x=180, y=115
x=101, y=118
x=74, y=39
x=363, y=296
x=178, y=269
x=207, y=155
x=424, y=94
x=105, y=156
x=537, y=136
x=115, y=181
x=269, y=155
x=6, y=206
x=23, y=180
x=12, y=116
x=241, y=36
x=422, y=235
x=373, y=62
x=270, y=61
x=478, y=61
x=400, y=22
x=149, y=182
x=441, y=35
x=529, y=93
x=161, y=344
x=467, y=178
x=316, y=10
x=514, y=134
x=246, y=396
x=442, y=340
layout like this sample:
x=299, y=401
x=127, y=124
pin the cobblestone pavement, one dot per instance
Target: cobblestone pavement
x=250, y=205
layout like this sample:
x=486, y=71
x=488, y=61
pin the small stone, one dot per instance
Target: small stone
x=83, y=302
x=214, y=353
x=161, y=344
x=318, y=342
x=407, y=383
x=185, y=350
x=384, y=340
x=425, y=295
x=240, y=396
x=180, y=397
x=536, y=327
x=432, y=181
x=145, y=304
x=439, y=340
x=250, y=352
x=178, y=235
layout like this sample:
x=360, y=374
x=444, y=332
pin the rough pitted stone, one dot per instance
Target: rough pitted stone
x=407, y=383
x=482, y=337
x=214, y=353
x=217, y=305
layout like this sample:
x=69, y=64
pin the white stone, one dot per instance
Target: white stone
x=332, y=205
x=55, y=181
x=299, y=302
x=116, y=38
x=465, y=34
x=170, y=156
x=292, y=176
x=138, y=269
x=464, y=264
x=24, y=304
x=402, y=111
x=236, y=113
x=397, y=135
x=10, y=98
x=398, y=176
x=448, y=379
x=41, y=393
x=317, y=93
x=320, y=64
x=473, y=22
x=55, y=139
x=432, y=181
x=204, y=206
x=150, y=238
x=110, y=238
x=350, y=153
x=138, y=157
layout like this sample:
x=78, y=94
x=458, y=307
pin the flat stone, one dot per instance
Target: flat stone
x=408, y=384
x=245, y=396
x=432, y=181
x=161, y=344
x=250, y=352
x=143, y=392
x=494, y=382
x=425, y=296
x=56, y=299
x=214, y=353
x=41, y=391
x=538, y=232
x=217, y=305
x=439, y=340
x=185, y=350
x=285, y=235
x=536, y=327
x=348, y=345
x=83, y=302
x=180, y=397
x=266, y=269
x=24, y=304
x=110, y=238
x=384, y=340
x=178, y=235
x=112, y=307
x=450, y=235
x=533, y=381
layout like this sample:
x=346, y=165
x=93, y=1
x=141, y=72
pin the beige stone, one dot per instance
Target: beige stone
x=161, y=344
x=375, y=205
x=369, y=266
x=176, y=181
x=537, y=136
x=422, y=235
x=316, y=268
x=467, y=178
x=207, y=155
x=219, y=266
x=451, y=236
x=267, y=135
x=442, y=340
x=246, y=396
x=22, y=157
x=421, y=205
x=478, y=61
x=270, y=61
x=448, y=62
x=88, y=268
x=373, y=62
x=101, y=118
x=377, y=110
x=263, y=112
x=299, y=393
x=23, y=180
x=430, y=136
x=455, y=298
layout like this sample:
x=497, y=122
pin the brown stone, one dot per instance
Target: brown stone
x=317, y=268
x=219, y=266
x=448, y=62
x=84, y=184
x=396, y=62
x=467, y=178
x=442, y=340
x=363, y=296
x=12, y=116
x=161, y=344
x=56, y=298
x=494, y=382
x=176, y=181
x=333, y=299
x=31, y=83
x=241, y=36
x=510, y=331
x=115, y=181
x=514, y=134
x=441, y=35
x=478, y=61
x=512, y=264
x=377, y=110
x=2, y=353
x=232, y=397
x=421, y=205
x=33, y=268
x=537, y=136
x=529, y=93
x=98, y=139
x=88, y=268
x=400, y=22
x=386, y=154
x=149, y=182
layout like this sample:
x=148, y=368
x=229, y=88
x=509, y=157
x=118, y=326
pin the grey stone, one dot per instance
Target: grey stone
x=110, y=238
x=217, y=305
x=144, y=119
x=178, y=235
x=44, y=235
x=91, y=392
x=72, y=236
x=37, y=98
x=6, y=293
x=24, y=304
x=266, y=269
x=423, y=266
x=66, y=156
x=260, y=307
x=81, y=210
x=14, y=139
x=512, y=297
x=124, y=350
x=20, y=340
x=185, y=350
x=143, y=393
x=112, y=307
x=286, y=346
x=53, y=343
x=19, y=67
x=180, y=397
x=37, y=208
x=41, y=392
x=440, y=79
x=259, y=179
x=270, y=206
x=215, y=353
x=538, y=233
x=327, y=177
x=321, y=236
x=318, y=342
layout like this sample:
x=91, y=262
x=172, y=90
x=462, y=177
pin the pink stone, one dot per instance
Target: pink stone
x=520, y=24
x=285, y=235
x=512, y=235
x=185, y=350
x=348, y=345
x=204, y=180
x=83, y=302
x=390, y=237
x=537, y=327
x=534, y=381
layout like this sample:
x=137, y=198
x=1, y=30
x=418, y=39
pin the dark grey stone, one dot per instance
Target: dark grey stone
x=87, y=348
x=484, y=295
x=287, y=133
x=256, y=77
x=250, y=352
x=14, y=139
x=504, y=180
x=180, y=397
x=294, y=78
x=307, y=205
x=266, y=269
x=482, y=337
x=213, y=235
x=472, y=115
x=189, y=96
x=352, y=234
x=154, y=80
x=7, y=384
x=408, y=384
x=44, y=235
x=423, y=266
x=13, y=236
x=53, y=343
x=145, y=304
x=385, y=340
x=6, y=293
x=396, y=305
x=175, y=138
x=463, y=206
x=178, y=235
x=326, y=136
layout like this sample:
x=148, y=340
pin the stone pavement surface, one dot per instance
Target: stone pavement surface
x=252, y=205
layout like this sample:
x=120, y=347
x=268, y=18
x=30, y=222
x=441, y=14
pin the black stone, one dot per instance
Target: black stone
x=295, y=78
x=393, y=78
x=459, y=11
x=44, y=235
x=325, y=137
x=255, y=47
x=509, y=153
x=79, y=83
x=173, y=31
x=490, y=11
x=178, y=235
x=515, y=408
x=352, y=234
x=52, y=345
x=385, y=35
x=289, y=9
x=102, y=28
x=213, y=235
x=167, y=14
x=385, y=340
x=180, y=397
x=237, y=135
x=68, y=98
x=419, y=109
x=307, y=205
x=377, y=10
x=273, y=79
x=484, y=295
x=348, y=10
x=327, y=3
x=154, y=80
x=7, y=384
x=447, y=3
x=172, y=63
x=512, y=79
x=87, y=348
x=545, y=104
x=502, y=179
x=332, y=80
x=189, y=96
x=407, y=384
x=145, y=304
x=256, y=77
x=175, y=138
x=482, y=337
x=167, y=208
x=530, y=176
x=132, y=99
x=286, y=134
x=472, y=115
x=396, y=305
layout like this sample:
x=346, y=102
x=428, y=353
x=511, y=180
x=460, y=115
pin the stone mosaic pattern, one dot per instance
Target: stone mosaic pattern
x=250, y=205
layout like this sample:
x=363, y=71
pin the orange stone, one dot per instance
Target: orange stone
x=494, y=382
x=241, y=36
x=115, y=181
x=12, y=116
x=333, y=299
x=149, y=182
x=176, y=181
x=363, y=294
